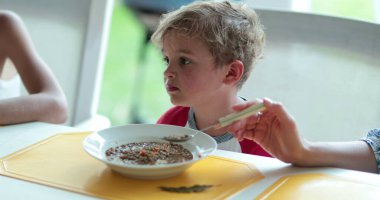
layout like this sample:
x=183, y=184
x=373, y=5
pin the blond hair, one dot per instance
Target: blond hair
x=231, y=31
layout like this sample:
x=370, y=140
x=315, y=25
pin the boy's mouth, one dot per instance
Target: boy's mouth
x=171, y=88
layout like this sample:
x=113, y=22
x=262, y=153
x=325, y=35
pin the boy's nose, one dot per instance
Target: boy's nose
x=169, y=72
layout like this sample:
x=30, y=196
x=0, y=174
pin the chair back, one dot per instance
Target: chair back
x=325, y=70
x=71, y=36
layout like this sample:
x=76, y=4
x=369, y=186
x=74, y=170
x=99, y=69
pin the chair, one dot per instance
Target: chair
x=71, y=36
x=324, y=69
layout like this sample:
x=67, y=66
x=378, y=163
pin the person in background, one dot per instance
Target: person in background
x=276, y=131
x=210, y=48
x=46, y=101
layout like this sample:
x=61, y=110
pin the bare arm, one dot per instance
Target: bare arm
x=46, y=101
x=277, y=133
x=356, y=155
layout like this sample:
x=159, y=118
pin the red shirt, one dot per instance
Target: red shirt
x=179, y=115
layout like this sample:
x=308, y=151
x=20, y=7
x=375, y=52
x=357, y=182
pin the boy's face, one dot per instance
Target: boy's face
x=191, y=77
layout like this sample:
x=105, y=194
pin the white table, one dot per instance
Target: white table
x=16, y=137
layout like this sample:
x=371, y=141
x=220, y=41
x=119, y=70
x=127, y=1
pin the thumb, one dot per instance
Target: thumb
x=279, y=110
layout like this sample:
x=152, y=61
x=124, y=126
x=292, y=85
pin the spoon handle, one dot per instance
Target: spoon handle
x=231, y=118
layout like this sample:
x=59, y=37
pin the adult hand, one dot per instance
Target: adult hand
x=275, y=130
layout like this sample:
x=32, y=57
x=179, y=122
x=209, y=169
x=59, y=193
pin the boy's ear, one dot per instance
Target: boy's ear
x=234, y=73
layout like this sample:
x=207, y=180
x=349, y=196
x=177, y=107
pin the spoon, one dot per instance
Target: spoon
x=222, y=122
x=178, y=138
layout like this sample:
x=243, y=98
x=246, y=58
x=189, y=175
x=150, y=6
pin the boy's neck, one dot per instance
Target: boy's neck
x=208, y=114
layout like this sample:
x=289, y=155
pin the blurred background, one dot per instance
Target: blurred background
x=132, y=88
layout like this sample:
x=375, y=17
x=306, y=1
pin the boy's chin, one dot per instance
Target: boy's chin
x=178, y=102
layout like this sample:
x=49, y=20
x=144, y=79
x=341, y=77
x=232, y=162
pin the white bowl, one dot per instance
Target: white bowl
x=97, y=143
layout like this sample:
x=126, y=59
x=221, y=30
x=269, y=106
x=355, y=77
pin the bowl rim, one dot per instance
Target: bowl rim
x=160, y=166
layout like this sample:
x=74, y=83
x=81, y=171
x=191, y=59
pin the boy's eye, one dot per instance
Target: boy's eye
x=166, y=60
x=184, y=61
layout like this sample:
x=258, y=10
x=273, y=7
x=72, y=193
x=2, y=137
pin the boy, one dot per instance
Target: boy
x=209, y=48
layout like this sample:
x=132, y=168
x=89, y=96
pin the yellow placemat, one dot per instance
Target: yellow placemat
x=60, y=161
x=319, y=186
